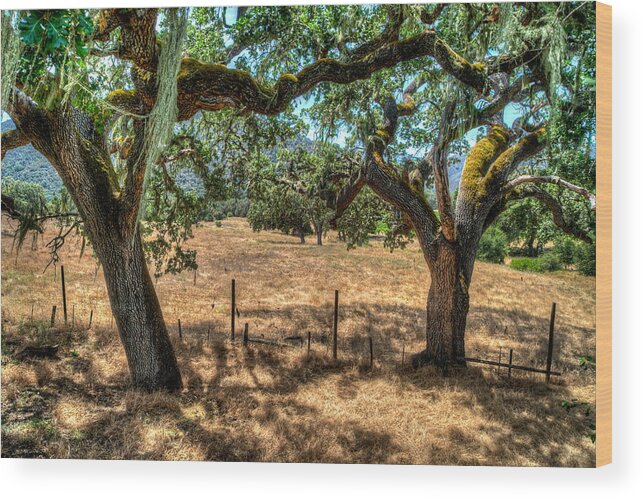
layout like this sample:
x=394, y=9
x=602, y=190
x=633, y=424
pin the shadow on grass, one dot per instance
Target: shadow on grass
x=254, y=417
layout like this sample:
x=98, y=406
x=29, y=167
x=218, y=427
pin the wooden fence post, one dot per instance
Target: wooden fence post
x=245, y=335
x=335, y=318
x=370, y=347
x=73, y=316
x=550, y=346
x=180, y=330
x=62, y=279
x=91, y=318
x=499, y=358
x=511, y=359
x=31, y=312
x=232, y=307
x=53, y=315
x=308, y=343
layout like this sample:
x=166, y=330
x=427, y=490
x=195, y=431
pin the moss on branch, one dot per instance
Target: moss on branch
x=479, y=159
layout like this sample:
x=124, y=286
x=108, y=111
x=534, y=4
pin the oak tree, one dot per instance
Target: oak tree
x=534, y=57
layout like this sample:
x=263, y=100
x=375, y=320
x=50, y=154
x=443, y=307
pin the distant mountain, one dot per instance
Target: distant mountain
x=27, y=164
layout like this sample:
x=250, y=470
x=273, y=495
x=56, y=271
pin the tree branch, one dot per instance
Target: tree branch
x=440, y=174
x=429, y=18
x=552, y=179
x=211, y=87
x=394, y=188
x=12, y=140
x=390, y=34
x=137, y=36
x=342, y=200
x=556, y=210
x=507, y=162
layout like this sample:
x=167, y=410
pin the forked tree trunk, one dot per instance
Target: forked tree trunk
x=138, y=315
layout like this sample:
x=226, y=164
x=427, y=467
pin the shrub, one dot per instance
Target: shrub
x=565, y=250
x=586, y=259
x=525, y=264
x=493, y=246
x=545, y=263
x=549, y=262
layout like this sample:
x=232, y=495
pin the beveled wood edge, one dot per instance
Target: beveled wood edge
x=603, y=234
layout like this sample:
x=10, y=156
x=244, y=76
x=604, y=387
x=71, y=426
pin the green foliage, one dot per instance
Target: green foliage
x=232, y=207
x=366, y=216
x=280, y=208
x=526, y=223
x=548, y=262
x=585, y=259
x=565, y=250
x=525, y=264
x=55, y=47
x=169, y=219
x=493, y=246
x=30, y=203
x=26, y=195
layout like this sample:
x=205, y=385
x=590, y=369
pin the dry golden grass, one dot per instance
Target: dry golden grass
x=276, y=404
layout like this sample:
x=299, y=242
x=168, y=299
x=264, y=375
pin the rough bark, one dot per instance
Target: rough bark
x=447, y=307
x=138, y=315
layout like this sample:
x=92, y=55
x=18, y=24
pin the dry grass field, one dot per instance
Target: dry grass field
x=266, y=403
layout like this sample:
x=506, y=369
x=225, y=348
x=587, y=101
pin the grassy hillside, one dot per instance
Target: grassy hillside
x=264, y=403
x=28, y=165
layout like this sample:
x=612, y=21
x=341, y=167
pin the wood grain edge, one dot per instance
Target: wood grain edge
x=603, y=234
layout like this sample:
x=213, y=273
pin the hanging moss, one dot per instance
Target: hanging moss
x=547, y=34
x=159, y=126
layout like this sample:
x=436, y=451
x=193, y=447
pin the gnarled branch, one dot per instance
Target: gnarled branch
x=440, y=174
x=558, y=216
x=552, y=179
x=204, y=86
x=12, y=140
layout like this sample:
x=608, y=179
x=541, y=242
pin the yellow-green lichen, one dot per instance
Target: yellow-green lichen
x=523, y=147
x=124, y=99
x=481, y=156
x=288, y=77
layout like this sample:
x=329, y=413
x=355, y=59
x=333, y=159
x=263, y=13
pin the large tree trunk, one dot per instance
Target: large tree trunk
x=80, y=155
x=447, y=307
x=138, y=315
